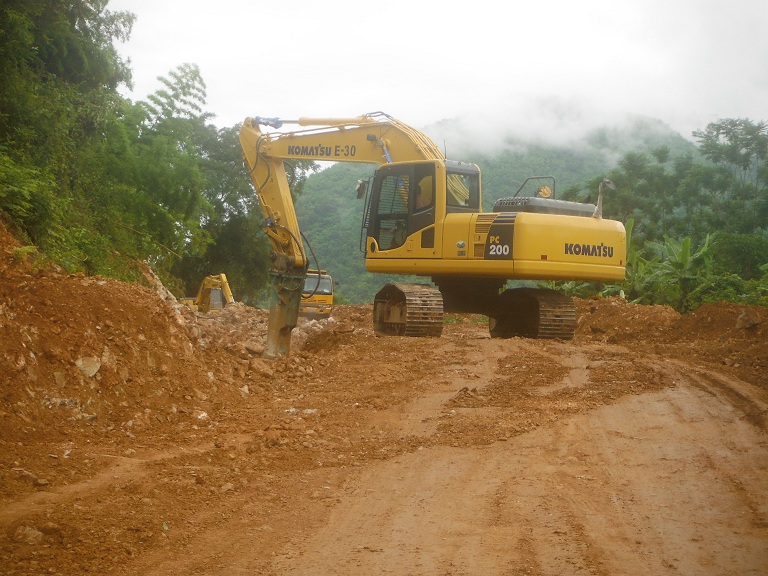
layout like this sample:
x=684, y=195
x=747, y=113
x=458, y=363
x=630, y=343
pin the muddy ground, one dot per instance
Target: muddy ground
x=140, y=438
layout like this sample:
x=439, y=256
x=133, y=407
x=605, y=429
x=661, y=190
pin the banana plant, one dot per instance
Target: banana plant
x=635, y=287
x=681, y=268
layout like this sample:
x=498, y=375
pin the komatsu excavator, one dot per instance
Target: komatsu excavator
x=423, y=217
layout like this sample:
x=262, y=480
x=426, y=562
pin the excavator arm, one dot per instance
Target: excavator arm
x=374, y=138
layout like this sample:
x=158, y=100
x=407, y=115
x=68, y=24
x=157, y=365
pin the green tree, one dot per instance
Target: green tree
x=51, y=52
x=738, y=147
x=182, y=97
x=58, y=101
x=740, y=254
x=26, y=196
x=171, y=140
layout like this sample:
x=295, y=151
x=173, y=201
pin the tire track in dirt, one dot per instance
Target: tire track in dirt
x=421, y=416
x=123, y=470
x=626, y=488
x=749, y=399
x=682, y=449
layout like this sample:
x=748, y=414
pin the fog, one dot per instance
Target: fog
x=549, y=70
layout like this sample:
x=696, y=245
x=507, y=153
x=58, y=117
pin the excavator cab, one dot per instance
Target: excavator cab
x=410, y=197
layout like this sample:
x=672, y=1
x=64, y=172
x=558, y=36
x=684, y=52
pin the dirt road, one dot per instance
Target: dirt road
x=138, y=438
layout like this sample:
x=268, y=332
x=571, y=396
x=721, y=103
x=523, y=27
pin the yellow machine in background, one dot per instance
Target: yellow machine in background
x=316, y=295
x=213, y=295
x=423, y=216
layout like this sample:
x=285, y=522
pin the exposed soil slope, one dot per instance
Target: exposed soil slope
x=140, y=438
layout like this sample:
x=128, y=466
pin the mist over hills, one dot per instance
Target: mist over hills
x=330, y=215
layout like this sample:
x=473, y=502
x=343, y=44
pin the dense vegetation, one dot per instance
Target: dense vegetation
x=97, y=183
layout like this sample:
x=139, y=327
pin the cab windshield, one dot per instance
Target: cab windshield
x=317, y=285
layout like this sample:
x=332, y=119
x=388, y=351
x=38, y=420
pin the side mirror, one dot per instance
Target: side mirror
x=361, y=188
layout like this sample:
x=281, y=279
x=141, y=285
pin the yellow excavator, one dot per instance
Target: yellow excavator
x=213, y=295
x=423, y=217
x=317, y=295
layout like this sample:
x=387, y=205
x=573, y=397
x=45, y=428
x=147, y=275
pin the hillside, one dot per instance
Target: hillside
x=140, y=438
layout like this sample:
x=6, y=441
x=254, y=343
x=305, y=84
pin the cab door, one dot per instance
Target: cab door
x=402, y=209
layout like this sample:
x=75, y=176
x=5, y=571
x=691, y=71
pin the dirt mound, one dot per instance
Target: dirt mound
x=721, y=333
x=88, y=357
x=615, y=320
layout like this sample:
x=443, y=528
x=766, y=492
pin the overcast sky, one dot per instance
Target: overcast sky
x=553, y=67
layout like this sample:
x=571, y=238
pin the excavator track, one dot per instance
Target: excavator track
x=408, y=310
x=557, y=315
x=533, y=313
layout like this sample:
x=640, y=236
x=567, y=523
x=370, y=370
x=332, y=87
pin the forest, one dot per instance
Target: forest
x=97, y=184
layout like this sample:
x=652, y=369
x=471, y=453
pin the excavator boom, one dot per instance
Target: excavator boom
x=374, y=138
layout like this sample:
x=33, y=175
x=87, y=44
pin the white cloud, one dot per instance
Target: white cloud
x=498, y=65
